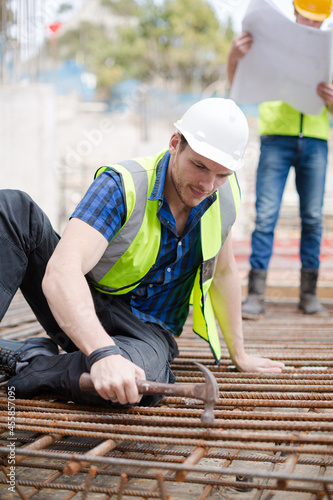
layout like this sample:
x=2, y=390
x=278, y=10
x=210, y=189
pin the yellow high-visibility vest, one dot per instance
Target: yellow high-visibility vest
x=278, y=118
x=134, y=249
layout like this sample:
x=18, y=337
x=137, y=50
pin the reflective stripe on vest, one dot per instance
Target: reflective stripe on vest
x=135, y=248
x=204, y=322
x=124, y=264
x=135, y=210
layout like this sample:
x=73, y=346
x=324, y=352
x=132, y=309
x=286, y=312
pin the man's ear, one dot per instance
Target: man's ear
x=174, y=143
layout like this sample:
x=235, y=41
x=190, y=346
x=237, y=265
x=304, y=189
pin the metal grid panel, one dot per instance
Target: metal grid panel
x=272, y=435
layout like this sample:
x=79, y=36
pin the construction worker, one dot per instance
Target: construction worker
x=114, y=291
x=288, y=138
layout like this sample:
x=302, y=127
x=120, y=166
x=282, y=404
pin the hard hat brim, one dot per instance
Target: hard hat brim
x=202, y=148
x=311, y=15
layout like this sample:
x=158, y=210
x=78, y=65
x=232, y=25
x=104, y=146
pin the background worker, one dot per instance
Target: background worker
x=148, y=232
x=288, y=138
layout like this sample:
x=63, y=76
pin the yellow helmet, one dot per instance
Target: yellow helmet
x=317, y=10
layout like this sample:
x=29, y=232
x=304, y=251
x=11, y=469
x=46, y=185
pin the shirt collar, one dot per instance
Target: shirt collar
x=162, y=166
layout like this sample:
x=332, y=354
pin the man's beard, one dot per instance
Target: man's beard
x=178, y=188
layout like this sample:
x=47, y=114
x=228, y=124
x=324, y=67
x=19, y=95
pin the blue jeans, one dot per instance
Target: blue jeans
x=309, y=158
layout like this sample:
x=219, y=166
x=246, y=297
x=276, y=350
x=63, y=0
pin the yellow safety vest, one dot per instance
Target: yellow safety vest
x=278, y=118
x=134, y=249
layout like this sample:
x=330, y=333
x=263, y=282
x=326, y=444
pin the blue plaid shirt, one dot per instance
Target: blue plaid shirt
x=163, y=295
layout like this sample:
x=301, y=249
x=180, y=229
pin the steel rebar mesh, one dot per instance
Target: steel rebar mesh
x=271, y=437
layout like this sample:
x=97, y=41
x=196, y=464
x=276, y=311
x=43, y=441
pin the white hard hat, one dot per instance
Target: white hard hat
x=217, y=129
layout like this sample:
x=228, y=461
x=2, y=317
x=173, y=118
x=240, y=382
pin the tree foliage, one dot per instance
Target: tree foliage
x=171, y=39
x=121, y=7
x=65, y=7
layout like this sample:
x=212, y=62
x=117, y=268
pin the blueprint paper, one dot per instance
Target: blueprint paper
x=286, y=61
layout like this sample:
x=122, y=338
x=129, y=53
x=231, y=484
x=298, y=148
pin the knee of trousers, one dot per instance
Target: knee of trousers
x=265, y=222
x=15, y=198
x=314, y=226
x=21, y=219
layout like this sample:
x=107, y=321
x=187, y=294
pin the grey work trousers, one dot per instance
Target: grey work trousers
x=27, y=241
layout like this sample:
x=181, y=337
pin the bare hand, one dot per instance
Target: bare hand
x=114, y=378
x=241, y=45
x=254, y=364
x=325, y=92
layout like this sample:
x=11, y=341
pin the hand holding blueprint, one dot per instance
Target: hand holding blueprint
x=286, y=61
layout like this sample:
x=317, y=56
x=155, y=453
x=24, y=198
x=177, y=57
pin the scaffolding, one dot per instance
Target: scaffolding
x=24, y=26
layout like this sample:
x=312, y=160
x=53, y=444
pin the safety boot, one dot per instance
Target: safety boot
x=43, y=373
x=58, y=375
x=15, y=355
x=254, y=306
x=309, y=301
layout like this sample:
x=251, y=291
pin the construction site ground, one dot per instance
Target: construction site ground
x=271, y=437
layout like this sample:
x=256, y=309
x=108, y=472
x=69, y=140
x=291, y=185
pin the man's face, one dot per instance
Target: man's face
x=307, y=22
x=193, y=176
